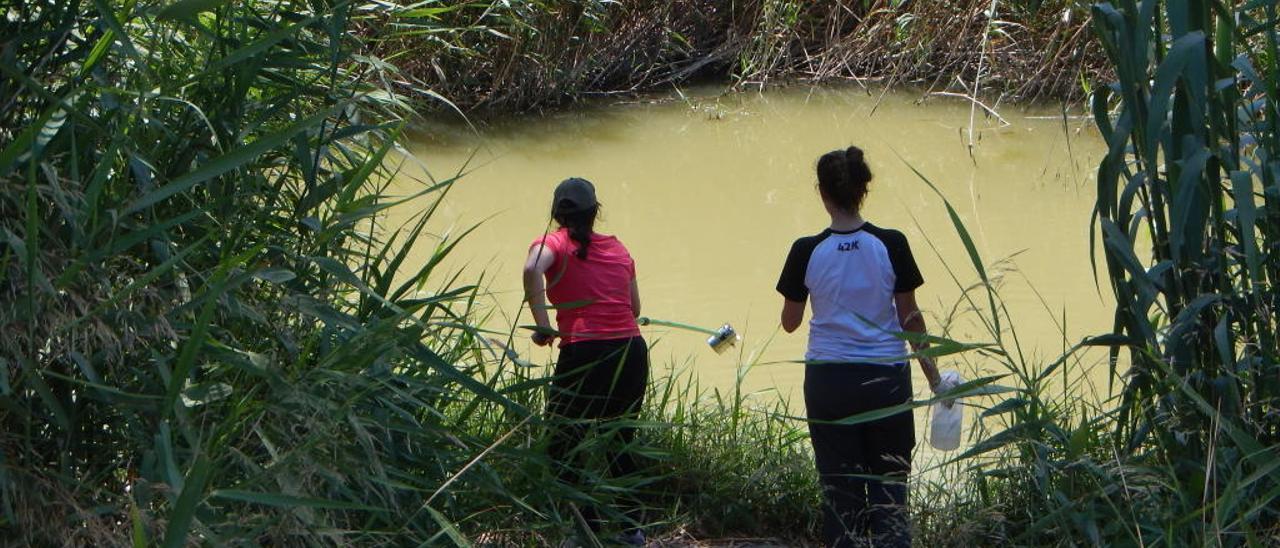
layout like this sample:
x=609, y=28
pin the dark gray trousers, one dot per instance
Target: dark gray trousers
x=598, y=386
x=863, y=467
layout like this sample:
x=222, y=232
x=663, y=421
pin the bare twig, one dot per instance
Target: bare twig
x=974, y=102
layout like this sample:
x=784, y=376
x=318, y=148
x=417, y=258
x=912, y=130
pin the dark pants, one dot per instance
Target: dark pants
x=863, y=467
x=597, y=383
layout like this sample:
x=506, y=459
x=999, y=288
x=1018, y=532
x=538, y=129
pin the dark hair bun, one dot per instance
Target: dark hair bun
x=853, y=154
x=842, y=178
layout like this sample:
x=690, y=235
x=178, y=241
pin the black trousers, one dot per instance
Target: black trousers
x=863, y=467
x=598, y=386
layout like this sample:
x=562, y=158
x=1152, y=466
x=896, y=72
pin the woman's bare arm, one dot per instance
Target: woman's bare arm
x=635, y=298
x=535, y=291
x=911, y=320
x=792, y=314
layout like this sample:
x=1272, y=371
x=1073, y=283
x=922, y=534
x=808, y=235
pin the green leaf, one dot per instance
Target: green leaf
x=32, y=375
x=231, y=160
x=1263, y=458
x=430, y=12
x=1190, y=209
x=275, y=275
x=106, y=392
x=1167, y=75
x=290, y=501
x=151, y=231
x=5, y=388
x=184, y=510
x=258, y=46
x=1246, y=221
x=189, y=9
x=1006, y=406
x=1013, y=434
x=99, y=50
x=192, y=346
x=26, y=144
x=448, y=527
x=163, y=445
x=204, y=393
x=1110, y=339
x=974, y=257
x=370, y=165
x=1122, y=249
x=139, y=283
x=108, y=18
x=138, y=529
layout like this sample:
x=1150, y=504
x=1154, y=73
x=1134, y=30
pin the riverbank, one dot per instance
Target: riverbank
x=489, y=58
x=207, y=335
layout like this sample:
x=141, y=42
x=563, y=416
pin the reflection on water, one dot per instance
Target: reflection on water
x=709, y=193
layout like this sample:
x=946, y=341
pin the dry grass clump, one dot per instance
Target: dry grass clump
x=517, y=56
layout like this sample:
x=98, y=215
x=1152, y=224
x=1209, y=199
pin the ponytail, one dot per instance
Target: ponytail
x=843, y=176
x=580, y=225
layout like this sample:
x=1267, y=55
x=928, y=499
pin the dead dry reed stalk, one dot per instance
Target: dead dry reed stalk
x=519, y=56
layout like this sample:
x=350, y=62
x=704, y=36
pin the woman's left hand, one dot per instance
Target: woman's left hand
x=935, y=379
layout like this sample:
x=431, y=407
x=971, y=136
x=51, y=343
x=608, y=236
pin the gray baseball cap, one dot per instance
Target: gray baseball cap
x=573, y=195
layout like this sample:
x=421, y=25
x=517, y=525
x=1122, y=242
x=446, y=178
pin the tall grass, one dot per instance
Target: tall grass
x=730, y=463
x=203, y=335
x=1049, y=464
x=1193, y=140
x=1186, y=451
x=716, y=464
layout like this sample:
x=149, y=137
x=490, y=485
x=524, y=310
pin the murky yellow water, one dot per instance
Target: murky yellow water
x=708, y=194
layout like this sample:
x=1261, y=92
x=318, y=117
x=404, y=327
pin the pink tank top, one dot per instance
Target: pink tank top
x=593, y=296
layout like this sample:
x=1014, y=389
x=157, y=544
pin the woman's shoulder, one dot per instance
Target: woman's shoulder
x=884, y=233
x=608, y=241
x=810, y=241
x=554, y=239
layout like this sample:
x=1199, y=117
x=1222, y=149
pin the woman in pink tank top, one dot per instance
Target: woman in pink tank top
x=603, y=366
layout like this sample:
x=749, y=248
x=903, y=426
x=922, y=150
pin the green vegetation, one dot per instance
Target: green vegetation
x=207, y=337
x=1187, y=453
x=201, y=339
x=1193, y=143
x=729, y=464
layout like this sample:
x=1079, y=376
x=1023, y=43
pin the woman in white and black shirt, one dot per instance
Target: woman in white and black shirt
x=861, y=280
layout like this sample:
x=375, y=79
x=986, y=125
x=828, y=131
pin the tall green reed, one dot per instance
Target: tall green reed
x=205, y=333
x=1185, y=451
x=1190, y=172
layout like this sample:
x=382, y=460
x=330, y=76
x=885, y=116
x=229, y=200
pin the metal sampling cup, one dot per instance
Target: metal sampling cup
x=720, y=340
x=723, y=338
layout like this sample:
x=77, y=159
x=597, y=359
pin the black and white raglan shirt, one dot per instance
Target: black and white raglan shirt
x=851, y=277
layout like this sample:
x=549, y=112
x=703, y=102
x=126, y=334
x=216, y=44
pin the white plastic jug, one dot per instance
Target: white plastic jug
x=944, y=429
